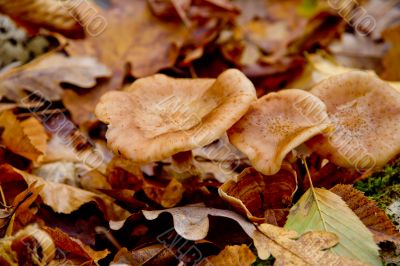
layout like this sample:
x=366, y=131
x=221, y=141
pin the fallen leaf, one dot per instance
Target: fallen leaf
x=168, y=196
x=156, y=254
x=321, y=210
x=253, y=193
x=75, y=251
x=289, y=249
x=191, y=222
x=320, y=68
x=44, y=75
x=232, y=256
x=373, y=217
x=68, y=198
x=132, y=37
x=58, y=172
x=390, y=63
x=27, y=138
x=57, y=16
x=28, y=246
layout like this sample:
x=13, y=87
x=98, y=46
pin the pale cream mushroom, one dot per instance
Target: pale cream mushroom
x=159, y=116
x=366, y=114
x=276, y=124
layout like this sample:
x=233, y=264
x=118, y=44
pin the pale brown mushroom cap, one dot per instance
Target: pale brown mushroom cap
x=159, y=116
x=276, y=124
x=366, y=114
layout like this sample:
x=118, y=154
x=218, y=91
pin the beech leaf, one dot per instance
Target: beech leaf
x=322, y=210
x=374, y=218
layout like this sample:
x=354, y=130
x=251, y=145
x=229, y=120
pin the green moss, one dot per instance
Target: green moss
x=269, y=262
x=382, y=186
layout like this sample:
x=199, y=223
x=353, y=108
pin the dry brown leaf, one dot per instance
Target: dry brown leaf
x=373, y=217
x=64, y=198
x=390, y=61
x=44, y=75
x=308, y=249
x=74, y=249
x=253, y=194
x=61, y=16
x=232, y=256
x=27, y=138
x=133, y=37
x=168, y=196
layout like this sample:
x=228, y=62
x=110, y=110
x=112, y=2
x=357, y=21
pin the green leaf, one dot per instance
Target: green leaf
x=322, y=210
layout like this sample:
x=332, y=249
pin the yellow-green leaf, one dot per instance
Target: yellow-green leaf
x=322, y=210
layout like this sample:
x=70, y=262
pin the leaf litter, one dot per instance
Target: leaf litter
x=198, y=132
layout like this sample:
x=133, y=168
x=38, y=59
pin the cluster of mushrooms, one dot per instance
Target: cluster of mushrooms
x=352, y=120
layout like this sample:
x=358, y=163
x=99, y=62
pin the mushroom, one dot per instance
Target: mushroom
x=366, y=114
x=159, y=116
x=276, y=124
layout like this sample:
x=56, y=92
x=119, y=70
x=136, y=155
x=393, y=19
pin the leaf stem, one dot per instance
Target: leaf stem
x=3, y=198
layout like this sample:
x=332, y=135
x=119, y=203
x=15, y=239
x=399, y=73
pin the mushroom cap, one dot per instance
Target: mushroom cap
x=159, y=116
x=366, y=114
x=276, y=124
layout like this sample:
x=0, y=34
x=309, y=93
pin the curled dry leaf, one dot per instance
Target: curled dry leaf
x=68, y=198
x=373, y=217
x=159, y=116
x=27, y=138
x=256, y=195
x=232, y=256
x=56, y=16
x=44, y=75
x=128, y=34
x=366, y=114
x=75, y=251
x=390, y=63
x=289, y=249
x=322, y=210
x=191, y=222
x=276, y=124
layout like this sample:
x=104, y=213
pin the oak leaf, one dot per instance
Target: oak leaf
x=373, y=217
x=308, y=249
x=231, y=255
x=44, y=75
x=191, y=222
x=322, y=210
x=27, y=138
